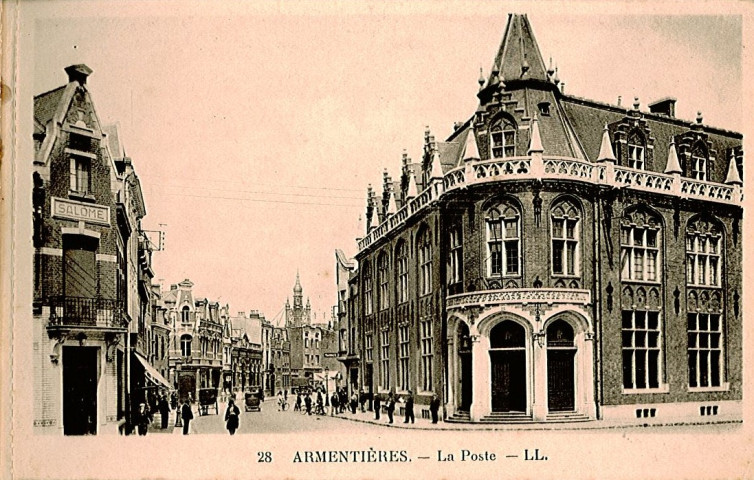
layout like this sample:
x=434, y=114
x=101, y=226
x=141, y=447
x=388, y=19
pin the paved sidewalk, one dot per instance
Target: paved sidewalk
x=425, y=424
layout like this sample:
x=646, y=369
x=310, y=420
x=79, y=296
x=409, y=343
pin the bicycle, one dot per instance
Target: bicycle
x=282, y=405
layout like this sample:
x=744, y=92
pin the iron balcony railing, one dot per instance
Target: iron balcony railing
x=68, y=311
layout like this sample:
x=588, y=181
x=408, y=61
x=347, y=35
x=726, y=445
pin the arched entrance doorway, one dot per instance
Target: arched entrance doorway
x=464, y=360
x=508, y=365
x=561, y=351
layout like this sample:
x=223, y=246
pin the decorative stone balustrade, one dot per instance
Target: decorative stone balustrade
x=488, y=298
x=556, y=168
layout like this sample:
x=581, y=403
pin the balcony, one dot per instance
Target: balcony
x=538, y=167
x=86, y=313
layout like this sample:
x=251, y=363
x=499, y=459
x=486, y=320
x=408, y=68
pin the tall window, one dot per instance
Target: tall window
x=401, y=260
x=703, y=244
x=385, y=359
x=424, y=247
x=426, y=346
x=403, y=358
x=642, y=345
x=503, y=241
x=80, y=174
x=636, y=152
x=705, y=349
x=368, y=347
x=383, y=272
x=368, y=299
x=185, y=317
x=186, y=345
x=640, y=248
x=699, y=164
x=503, y=138
x=565, y=238
x=455, y=258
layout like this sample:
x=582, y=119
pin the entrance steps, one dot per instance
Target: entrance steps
x=567, y=417
x=506, y=417
x=459, y=417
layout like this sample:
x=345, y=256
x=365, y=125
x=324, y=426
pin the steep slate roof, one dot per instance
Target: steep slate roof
x=519, y=48
x=46, y=104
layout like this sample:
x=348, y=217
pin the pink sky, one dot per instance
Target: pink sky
x=255, y=130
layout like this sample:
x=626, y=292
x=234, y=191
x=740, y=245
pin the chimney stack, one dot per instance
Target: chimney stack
x=78, y=73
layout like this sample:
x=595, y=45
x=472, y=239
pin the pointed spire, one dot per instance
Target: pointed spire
x=392, y=207
x=471, y=150
x=673, y=165
x=297, y=288
x=733, y=178
x=535, y=142
x=436, y=171
x=412, y=191
x=519, y=55
x=606, y=148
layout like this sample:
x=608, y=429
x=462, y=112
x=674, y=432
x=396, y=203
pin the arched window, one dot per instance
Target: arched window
x=640, y=245
x=507, y=334
x=455, y=256
x=383, y=274
x=185, y=318
x=186, y=345
x=699, y=163
x=368, y=296
x=636, y=151
x=424, y=247
x=503, y=241
x=565, y=233
x=401, y=263
x=503, y=138
x=703, y=253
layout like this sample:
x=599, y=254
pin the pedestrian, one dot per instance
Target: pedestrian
x=354, y=402
x=343, y=399
x=308, y=403
x=320, y=405
x=143, y=419
x=174, y=401
x=285, y=395
x=280, y=400
x=362, y=399
x=409, y=408
x=434, y=406
x=231, y=416
x=186, y=415
x=334, y=403
x=164, y=411
x=377, y=406
x=390, y=407
x=297, y=407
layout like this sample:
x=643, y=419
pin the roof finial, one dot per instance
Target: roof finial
x=606, y=148
x=733, y=178
x=699, y=117
x=412, y=191
x=636, y=103
x=471, y=152
x=556, y=79
x=392, y=207
x=550, y=70
x=673, y=165
x=481, y=78
x=535, y=142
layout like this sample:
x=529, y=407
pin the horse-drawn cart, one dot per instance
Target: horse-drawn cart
x=207, y=400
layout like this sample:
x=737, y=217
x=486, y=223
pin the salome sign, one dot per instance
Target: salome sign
x=80, y=211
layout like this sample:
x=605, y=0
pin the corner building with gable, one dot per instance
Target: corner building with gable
x=556, y=259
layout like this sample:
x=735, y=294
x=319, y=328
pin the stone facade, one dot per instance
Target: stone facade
x=556, y=259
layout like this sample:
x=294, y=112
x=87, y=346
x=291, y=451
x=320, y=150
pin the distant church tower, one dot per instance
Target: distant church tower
x=298, y=314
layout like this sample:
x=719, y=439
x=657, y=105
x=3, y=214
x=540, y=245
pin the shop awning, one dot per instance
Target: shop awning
x=152, y=374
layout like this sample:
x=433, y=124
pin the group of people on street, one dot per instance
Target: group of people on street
x=408, y=400
x=144, y=415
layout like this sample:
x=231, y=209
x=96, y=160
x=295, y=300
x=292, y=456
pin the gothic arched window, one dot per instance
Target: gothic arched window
x=383, y=274
x=636, y=151
x=368, y=298
x=640, y=247
x=565, y=233
x=699, y=163
x=401, y=263
x=503, y=138
x=503, y=241
x=424, y=248
x=703, y=253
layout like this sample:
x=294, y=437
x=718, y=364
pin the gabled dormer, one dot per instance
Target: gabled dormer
x=633, y=143
x=697, y=156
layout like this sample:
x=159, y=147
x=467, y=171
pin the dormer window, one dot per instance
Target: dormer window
x=503, y=137
x=81, y=175
x=699, y=166
x=544, y=108
x=636, y=152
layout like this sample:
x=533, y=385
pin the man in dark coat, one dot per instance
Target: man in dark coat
x=377, y=406
x=434, y=406
x=164, y=408
x=143, y=419
x=334, y=403
x=186, y=416
x=409, y=408
x=390, y=407
x=231, y=417
x=362, y=399
x=308, y=403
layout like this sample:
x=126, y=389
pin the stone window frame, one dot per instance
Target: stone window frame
x=403, y=380
x=704, y=248
x=385, y=359
x=636, y=339
x=426, y=337
x=383, y=280
x=649, y=226
x=401, y=267
x=565, y=210
x=455, y=255
x=505, y=242
x=424, y=256
x=502, y=134
x=696, y=334
x=636, y=148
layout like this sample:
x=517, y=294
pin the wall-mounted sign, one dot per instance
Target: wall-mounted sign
x=330, y=354
x=80, y=211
